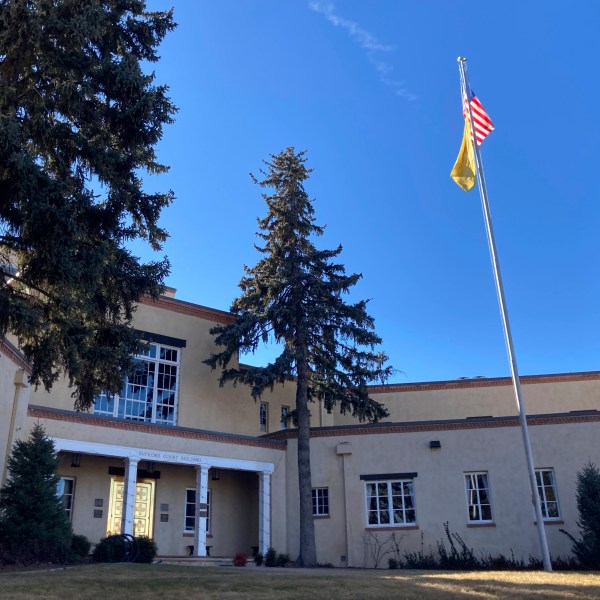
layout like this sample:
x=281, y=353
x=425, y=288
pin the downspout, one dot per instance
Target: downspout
x=19, y=383
x=345, y=450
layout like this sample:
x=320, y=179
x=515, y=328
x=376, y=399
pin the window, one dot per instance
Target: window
x=150, y=391
x=390, y=503
x=190, y=510
x=284, y=413
x=478, y=497
x=65, y=489
x=546, y=485
x=264, y=417
x=320, y=502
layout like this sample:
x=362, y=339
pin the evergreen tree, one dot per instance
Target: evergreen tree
x=294, y=296
x=587, y=548
x=33, y=522
x=79, y=120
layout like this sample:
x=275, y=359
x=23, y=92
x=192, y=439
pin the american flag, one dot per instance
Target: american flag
x=481, y=120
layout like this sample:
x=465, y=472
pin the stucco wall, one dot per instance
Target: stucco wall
x=440, y=488
x=14, y=397
x=202, y=403
x=485, y=397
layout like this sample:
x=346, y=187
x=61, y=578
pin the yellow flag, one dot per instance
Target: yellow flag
x=464, y=170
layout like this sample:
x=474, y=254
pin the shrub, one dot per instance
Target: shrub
x=419, y=560
x=392, y=563
x=587, y=548
x=282, y=560
x=463, y=558
x=240, y=559
x=146, y=549
x=43, y=534
x=259, y=558
x=80, y=546
x=271, y=558
x=118, y=548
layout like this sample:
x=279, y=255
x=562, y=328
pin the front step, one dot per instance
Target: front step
x=195, y=561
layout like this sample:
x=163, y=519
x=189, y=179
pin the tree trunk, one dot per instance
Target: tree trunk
x=308, y=550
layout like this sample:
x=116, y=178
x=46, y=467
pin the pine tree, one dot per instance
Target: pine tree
x=79, y=120
x=33, y=522
x=587, y=548
x=294, y=296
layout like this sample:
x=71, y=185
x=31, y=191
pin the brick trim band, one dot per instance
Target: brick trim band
x=81, y=418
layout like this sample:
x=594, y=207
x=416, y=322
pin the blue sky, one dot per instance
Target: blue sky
x=371, y=91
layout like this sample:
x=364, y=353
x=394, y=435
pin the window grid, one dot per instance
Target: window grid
x=149, y=392
x=320, y=502
x=66, y=492
x=478, y=497
x=190, y=510
x=391, y=503
x=264, y=417
x=546, y=485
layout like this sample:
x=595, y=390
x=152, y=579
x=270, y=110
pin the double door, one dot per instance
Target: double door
x=143, y=507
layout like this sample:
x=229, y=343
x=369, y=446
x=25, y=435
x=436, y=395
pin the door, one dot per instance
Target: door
x=143, y=511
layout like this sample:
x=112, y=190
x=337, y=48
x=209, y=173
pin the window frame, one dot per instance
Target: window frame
x=470, y=476
x=68, y=507
x=263, y=417
x=121, y=401
x=541, y=489
x=389, y=497
x=320, y=501
x=192, y=503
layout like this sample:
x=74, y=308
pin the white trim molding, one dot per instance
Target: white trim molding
x=177, y=458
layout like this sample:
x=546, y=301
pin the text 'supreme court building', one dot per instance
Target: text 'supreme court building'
x=205, y=469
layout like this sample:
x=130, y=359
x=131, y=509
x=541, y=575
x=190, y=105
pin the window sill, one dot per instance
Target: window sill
x=481, y=525
x=321, y=516
x=551, y=522
x=392, y=528
x=191, y=535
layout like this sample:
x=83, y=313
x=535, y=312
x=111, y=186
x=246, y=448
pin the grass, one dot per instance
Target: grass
x=170, y=582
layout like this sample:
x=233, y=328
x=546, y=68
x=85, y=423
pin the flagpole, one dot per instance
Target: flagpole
x=462, y=65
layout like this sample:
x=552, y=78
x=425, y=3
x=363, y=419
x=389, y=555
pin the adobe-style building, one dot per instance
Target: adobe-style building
x=206, y=470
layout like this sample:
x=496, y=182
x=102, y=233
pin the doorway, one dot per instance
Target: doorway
x=143, y=509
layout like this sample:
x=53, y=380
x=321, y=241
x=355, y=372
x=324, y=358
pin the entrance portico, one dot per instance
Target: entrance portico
x=202, y=463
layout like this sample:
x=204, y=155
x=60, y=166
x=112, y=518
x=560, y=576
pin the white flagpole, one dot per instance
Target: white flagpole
x=462, y=65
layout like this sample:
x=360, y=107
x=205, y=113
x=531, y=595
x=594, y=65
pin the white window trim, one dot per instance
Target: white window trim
x=489, y=493
x=185, y=505
x=265, y=428
x=322, y=490
x=156, y=360
x=390, y=508
x=69, y=511
x=542, y=494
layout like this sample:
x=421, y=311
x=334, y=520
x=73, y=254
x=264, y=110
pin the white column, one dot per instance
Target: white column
x=264, y=511
x=201, y=510
x=131, y=465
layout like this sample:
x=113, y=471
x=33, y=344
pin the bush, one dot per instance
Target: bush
x=259, y=558
x=113, y=548
x=146, y=549
x=43, y=534
x=80, y=546
x=117, y=548
x=392, y=563
x=587, y=548
x=240, y=559
x=419, y=560
x=271, y=558
x=282, y=560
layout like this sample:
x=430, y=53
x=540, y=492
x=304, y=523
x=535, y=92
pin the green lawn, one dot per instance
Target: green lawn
x=170, y=582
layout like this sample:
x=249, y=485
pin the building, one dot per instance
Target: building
x=206, y=470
